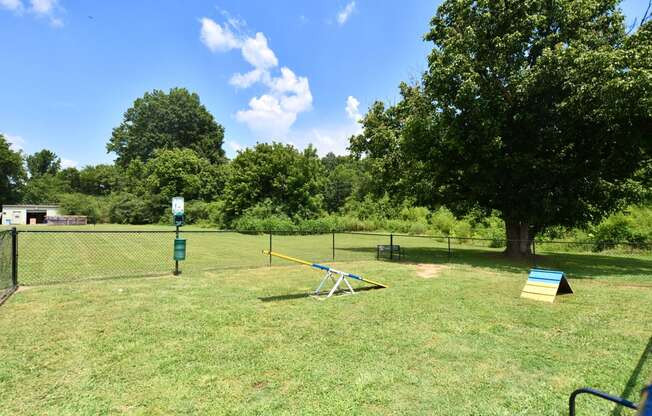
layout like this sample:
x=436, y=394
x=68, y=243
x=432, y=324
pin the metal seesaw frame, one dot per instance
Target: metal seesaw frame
x=342, y=277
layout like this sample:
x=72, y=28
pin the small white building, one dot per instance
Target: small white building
x=28, y=214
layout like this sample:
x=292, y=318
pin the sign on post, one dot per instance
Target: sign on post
x=177, y=205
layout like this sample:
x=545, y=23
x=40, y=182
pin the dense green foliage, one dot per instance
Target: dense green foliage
x=160, y=120
x=540, y=110
x=12, y=172
x=44, y=162
x=278, y=175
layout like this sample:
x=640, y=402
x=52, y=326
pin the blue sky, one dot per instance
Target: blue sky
x=296, y=71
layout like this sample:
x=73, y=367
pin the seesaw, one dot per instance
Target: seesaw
x=330, y=274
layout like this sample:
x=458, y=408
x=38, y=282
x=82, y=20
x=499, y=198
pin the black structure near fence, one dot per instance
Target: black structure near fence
x=37, y=257
x=8, y=264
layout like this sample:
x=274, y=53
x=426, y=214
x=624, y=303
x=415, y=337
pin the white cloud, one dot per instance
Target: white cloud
x=329, y=138
x=273, y=113
x=43, y=7
x=16, y=143
x=345, y=13
x=38, y=8
x=13, y=5
x=257, y=53
x=217, y=38
x=67, y=163
x=56, y=22
x=294, y=92
x=247, y=79
x=351, y=108
x=266, y=117
x=235, y=146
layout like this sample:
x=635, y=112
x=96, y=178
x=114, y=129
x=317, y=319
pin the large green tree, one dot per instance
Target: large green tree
x=44, y=189
x=345, y=176
x=100, y=179
x=539, y=109
x=181, y=172
x=279, y=174
x=161, y=120
x=43, y=162
x=12, y=173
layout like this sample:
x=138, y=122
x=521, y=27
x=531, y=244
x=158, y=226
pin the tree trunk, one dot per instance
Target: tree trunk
x=519, y=240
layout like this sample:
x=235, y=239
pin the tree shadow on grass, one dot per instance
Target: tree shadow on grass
x=577, y=266
x=633, y=379
x=292, y=296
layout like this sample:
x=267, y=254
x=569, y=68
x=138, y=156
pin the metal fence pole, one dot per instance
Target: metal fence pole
x=333, y=245
x=534, y=253
x=391, y=246
x=270, y=248
x=14, y=256
x=449, y=247
x=176, y=271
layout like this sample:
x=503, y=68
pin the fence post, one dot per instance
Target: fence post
x=391, y=246
x=534, y=253
x=270, y=248
x=333, y=245
x=449, y=247
x=14, y=257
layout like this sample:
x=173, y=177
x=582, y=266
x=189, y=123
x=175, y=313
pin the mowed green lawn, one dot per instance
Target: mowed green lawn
x=249, y=340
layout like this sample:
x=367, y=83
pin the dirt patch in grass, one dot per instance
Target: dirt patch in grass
x=428, y=271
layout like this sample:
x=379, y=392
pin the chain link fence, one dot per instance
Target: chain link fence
x=8, y=282
x=55, y=256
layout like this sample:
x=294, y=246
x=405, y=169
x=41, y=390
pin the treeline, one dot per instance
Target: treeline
x=270, y=187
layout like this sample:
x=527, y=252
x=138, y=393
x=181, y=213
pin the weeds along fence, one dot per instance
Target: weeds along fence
x=56, y=256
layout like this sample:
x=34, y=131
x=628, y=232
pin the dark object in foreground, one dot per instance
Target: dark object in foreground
x=644, y=408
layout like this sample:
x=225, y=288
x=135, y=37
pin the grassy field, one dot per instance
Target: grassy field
x=249, y=340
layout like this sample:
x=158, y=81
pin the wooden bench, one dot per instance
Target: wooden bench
x=394, y=251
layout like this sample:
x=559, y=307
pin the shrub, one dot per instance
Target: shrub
x=415, y=214
x=318, y=225
x=80, y=204
x=443, y=221
x=196, y=211
x=126, y=208
x=492, y=228
x=617, y=228
x=462, y=229
x=278, y=223
x=418, y=228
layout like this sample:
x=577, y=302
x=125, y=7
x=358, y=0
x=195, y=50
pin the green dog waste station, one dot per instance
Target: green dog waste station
x=179, y=249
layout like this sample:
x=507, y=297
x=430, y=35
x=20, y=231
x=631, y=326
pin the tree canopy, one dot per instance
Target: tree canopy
x=181, y=172
x=540, y=110
x=160, y=120
x=12, y=173
x=44, y=162
x=279, y=173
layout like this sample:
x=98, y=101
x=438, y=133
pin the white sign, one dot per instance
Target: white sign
x=177, y=205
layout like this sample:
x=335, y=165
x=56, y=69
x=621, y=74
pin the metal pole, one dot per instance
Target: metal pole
x=270, y=248
x=333, y=245
x=534, y=252
x=176, y=262
x=449, y=247
x=391, y=246
x=14, y=256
